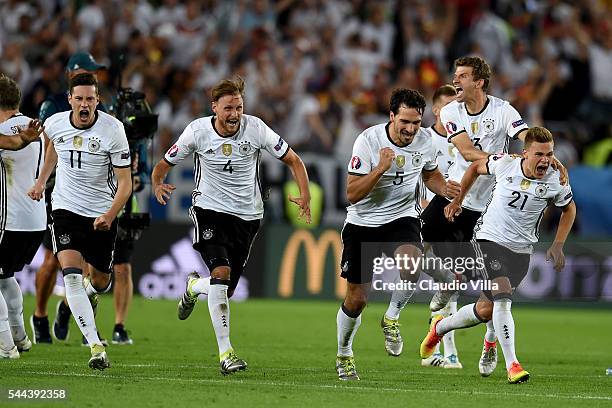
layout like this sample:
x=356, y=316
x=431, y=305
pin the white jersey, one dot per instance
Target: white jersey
x=445, y=156
x=18, y=173
x=490, y=130
x=85, y=181
x=226, y=169
x=513, y=216
x=396, y=194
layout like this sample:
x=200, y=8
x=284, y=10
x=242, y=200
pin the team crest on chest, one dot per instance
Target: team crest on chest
x=226, y=149
x=77, y=142
x=417, y=159
x=400, y=161
x=489, y=125
x=541, y=190
x=93, y=145
x=244, y=148
x=525, y=184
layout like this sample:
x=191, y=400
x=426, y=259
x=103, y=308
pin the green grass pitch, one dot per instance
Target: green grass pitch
x=290, y=347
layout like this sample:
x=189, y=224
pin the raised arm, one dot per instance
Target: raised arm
x=435, y=182
x=468, y=150
x=471, y=174
x=162, y=191
x=357, y=187
x=23, y=138
x=298, y=170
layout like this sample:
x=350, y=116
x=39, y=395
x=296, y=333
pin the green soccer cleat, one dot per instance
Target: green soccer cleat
x=345, y=367
x=393, y=339
x=99, y=359
x=189, y=299
x=230, y=363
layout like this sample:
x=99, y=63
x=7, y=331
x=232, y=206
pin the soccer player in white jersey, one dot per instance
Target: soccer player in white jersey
x=445, y=156
x=93, y=182
x=22, y=222
x=227, y=204
x=387, y=163
x=477, y=124
x=524, y=188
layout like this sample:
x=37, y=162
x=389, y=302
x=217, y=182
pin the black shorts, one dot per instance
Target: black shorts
x=17, y=249
x=500, y=261
x=362, y=244
x=73, y=231
x=223, y=240
x=124, y=248
x=442, y=234
x=47, y=241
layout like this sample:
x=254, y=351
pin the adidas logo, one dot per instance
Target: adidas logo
x=60, y=140
x=210, y=151
x=82, y=321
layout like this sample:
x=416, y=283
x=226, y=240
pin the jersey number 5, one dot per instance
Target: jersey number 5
x=399, y=178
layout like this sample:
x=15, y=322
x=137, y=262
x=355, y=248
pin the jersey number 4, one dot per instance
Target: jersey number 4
x=517, y=196
x=228, y=167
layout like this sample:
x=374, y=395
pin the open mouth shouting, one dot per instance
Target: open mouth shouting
x=541, y=170
x=459, y=91
x=83, y=115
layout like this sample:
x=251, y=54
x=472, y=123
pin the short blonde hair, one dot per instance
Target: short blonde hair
x=538, y=134
x=228, y=87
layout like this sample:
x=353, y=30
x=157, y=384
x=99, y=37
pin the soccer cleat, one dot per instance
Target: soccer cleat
x=428, y=345
x=488, y=359
x=230, y=363
x=345, y=367
x=12, y=354
x=120, y=335
x=452, y=361
x=393, y=339
x=435, y=360
x=23, y=345
x=516, y=374
x=40, y=330
x=189, y=300
x=99, y=359
x=61, y=325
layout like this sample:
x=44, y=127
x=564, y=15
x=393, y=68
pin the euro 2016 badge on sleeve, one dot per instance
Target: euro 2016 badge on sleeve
x=226, y=149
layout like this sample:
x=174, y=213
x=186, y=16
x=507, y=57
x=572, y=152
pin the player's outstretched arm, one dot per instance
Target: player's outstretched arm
x=471, y=174
x=38, y=189
x=357, y=187
x=124, y=190
x=435, y=182
x=162, y=191
x=555, y=252
x=467, y=148
x=23, y=138
x=298, y=170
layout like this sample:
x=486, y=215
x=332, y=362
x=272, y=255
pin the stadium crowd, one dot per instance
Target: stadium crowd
x=319, y=72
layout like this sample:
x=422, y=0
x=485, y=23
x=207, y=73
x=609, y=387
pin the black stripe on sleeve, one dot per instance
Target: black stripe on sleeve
x=171, y=164
x=456, y=134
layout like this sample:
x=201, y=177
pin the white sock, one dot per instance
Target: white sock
x=490, y=334
x=449, y=338
x=218, y=307
x=90, y=290
x=465, y=317
x=504, y=327
x=80, y=307
x=399, y=299
x=201, y=286
x=6, y=339
x=346, y=327
x=14, y=302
